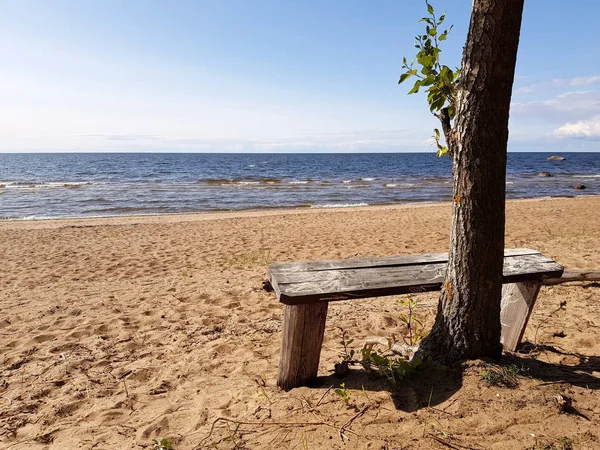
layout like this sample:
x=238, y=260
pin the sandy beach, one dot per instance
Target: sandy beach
x=118, y=331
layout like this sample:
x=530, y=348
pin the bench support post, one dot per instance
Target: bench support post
x=517, y=303
x=303, y=330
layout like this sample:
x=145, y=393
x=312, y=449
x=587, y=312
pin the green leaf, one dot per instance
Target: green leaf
x=426, y=60
x=432, y=32
x=429, y=8
x=403, y=77
x=415, y=88
x=428, y=81
x=437, y=104
x=451, y=111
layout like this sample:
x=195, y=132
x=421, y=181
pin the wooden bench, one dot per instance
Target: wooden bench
x=306, y=288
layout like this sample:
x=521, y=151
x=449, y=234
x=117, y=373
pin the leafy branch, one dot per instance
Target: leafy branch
x=439, y=80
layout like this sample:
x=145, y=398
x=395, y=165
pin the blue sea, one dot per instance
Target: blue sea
x=36, y=186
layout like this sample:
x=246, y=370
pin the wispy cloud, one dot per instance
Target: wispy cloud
x=584, y=129
x=558, y=82
x=363, y=140
x=571, y=106
x=126, y=137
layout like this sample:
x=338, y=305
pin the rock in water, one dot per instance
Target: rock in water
x=580, y=186
x=556, y=158
x=544, y=174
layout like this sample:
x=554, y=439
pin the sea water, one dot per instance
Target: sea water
x=35, y=186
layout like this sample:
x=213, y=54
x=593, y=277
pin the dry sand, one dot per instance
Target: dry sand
x=114, y=332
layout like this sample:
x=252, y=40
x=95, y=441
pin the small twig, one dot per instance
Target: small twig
x=571, y=381
x=441, y=441
x=323, y=396
x=561, y=306
x=449, y=445
x=259, y=424
x=441, y=411
x=356, y=416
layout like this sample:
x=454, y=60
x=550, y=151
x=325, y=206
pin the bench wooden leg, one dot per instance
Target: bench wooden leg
x=517, y=303
x=303, y=329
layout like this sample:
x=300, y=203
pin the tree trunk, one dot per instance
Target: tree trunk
x=467, y=324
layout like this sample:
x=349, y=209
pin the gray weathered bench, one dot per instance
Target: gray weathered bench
x=306, y=288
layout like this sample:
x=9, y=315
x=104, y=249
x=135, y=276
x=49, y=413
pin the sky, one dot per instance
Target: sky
x=270, y=76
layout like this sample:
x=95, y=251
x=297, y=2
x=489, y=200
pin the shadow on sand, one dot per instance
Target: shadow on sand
x=433, y=385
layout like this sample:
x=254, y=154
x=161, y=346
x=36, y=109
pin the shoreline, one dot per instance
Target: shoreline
x=132, y=219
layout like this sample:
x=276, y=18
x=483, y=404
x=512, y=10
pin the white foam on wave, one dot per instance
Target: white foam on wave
x=586, y=176
x=45, y=184
x=340, y=205
x=367, y=179
x=297, y=182
x=390, y=185
x=346, y=181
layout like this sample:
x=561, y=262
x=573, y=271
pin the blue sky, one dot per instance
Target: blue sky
x=270, y=76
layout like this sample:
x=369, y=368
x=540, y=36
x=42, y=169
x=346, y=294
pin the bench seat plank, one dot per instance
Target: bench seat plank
x=357, y=263
x=310, y=282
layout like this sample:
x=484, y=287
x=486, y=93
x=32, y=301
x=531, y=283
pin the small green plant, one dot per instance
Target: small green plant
x=415, y=326
x=391, y=369
x=162, y=444
x=261, y=383
x=235, y=436
x=343, y=392
x=376, y=362
x=347, y=356
x=503, y=376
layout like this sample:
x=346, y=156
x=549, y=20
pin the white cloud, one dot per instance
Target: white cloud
x=584, y=129
x=557, y=82
x=565, y=107
x=578, y=81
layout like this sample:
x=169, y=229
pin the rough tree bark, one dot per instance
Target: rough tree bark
x=467, y=324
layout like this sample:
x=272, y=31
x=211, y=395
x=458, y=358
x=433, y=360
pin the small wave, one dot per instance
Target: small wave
x=510, y=182
x=367, y=179
x=45, y=184
x=347, y=181
x=297, y=182
x=341, y=205
x=128, y=209
x=358, y=186
x=587, y=176
x=238, y=181
x=390, y=185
